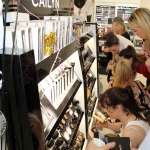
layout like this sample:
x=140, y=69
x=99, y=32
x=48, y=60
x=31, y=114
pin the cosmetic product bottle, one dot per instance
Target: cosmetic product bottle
x=50, y=144
x=72, y=64
x=59, y=141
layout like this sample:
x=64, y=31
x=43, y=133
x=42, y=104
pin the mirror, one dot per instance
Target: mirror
x=79, y=3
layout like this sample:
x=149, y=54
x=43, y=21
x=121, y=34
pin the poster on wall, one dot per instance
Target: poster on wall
x=125, y=12
x=105, y=11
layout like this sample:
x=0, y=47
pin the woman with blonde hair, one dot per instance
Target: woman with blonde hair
x=123, y=76
x=123, y=73
x=120, y=28
x=139, y=21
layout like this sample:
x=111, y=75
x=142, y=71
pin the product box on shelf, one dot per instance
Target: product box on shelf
x=50, y=26
x=67, y=29
x=27, y=38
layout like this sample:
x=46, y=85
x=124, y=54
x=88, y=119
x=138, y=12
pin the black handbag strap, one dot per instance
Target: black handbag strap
x=140, y=90
x=142, y=94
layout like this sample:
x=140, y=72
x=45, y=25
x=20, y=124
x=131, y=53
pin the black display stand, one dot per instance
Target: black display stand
x=14, y=98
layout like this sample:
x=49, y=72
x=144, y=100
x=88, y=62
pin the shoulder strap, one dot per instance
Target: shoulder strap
x=137, y=84
x=140, y=86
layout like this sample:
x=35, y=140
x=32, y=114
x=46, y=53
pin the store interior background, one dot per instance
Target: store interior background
x=89, y=9
x=91, y=5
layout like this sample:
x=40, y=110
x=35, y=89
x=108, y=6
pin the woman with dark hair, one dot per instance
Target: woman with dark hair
x=137, y=61
x=114, y=44
x=136, y=58
x=120, y=103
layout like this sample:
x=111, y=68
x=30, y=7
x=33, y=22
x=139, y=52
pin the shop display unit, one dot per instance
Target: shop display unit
x=59, y=97
x=88, y=61
x=59, y=89
x=69, y=104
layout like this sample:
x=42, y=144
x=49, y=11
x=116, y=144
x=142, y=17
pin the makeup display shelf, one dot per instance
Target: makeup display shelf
x=59, y=89
x=60, y=92
x=88, y=61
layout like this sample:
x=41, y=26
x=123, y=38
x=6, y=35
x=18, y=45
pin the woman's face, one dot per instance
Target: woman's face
x=114, y=49
x=117, y=27
x=139, y=32
x=112, y=112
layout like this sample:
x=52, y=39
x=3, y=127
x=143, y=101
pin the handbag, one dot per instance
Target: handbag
x=145, y=99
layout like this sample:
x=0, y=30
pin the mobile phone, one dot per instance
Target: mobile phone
x=99, y=113
x=99, y=118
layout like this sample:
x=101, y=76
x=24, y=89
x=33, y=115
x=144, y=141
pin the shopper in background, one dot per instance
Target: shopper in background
x=121, y=104
x=120, y=28
x=114, y=44
x=139, y=22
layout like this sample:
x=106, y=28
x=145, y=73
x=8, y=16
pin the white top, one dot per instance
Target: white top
x=33, y=116
x=124, y=42
x=146, y=142
x=144, y=125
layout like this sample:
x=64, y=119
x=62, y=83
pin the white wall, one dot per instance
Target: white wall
x=90, y=5
x=87, y=9
x=65, y=3
x=145, y=3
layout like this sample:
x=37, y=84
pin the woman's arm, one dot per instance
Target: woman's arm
x=113, y=126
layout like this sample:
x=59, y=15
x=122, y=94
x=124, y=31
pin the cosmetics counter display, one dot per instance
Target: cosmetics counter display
x=85, y=99
x=60, y=99
x=59, y=92
x=88, y=61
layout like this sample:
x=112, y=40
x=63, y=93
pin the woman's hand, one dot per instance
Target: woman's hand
x=110, y=83
x=108, y=146
x=101, y=124
x=91, y=133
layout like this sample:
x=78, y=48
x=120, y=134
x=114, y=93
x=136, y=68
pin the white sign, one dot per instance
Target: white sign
x=43, y=3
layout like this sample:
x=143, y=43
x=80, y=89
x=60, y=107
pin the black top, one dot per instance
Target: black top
x=126, y=35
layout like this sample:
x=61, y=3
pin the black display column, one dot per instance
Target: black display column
x=20, y=95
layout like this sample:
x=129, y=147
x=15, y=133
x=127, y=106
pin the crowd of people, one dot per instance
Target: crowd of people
x=127, y=99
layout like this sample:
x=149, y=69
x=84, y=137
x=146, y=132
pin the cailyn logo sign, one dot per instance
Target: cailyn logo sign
x=42, y=3
x=45, y=3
